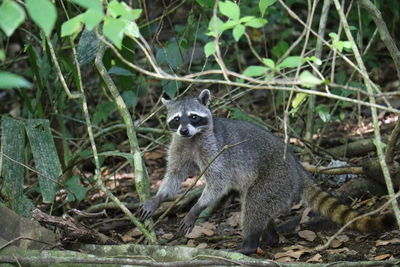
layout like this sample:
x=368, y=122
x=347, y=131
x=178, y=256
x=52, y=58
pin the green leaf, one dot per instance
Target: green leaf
x=45, y=156
x=246, y=19
x=215, y=27
x=269, y=63
x=104, y=110
x=72, y=26
x=74, y=184
x=43, y=13
x=314, y=59
x=323, y=112
x=264, y=4
x=206, y=3
x=339, y=45
x=130, y=98
x=256, y=23
x=209, y=48
x=300, y=97
x=121, y=10
x=254, y=71
x=136, y=13
x=2, y=55
x=10, y=80
x=229, y=9
x=170, y=87
x=12, y=15
x=120, y=71
x=13, y=145
x=280, y=49
x=114, y=29
x=238, y=31
x=87, y=47
x=292, y=62
x=308, y=79
x=92, y=18
x=230, y=24
x=89, y=4
x=132, y=29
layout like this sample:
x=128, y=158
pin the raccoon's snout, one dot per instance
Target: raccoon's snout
x=184, y=132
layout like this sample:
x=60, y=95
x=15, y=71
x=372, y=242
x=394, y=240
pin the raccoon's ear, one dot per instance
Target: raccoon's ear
x=165, y=101
x=204, y=97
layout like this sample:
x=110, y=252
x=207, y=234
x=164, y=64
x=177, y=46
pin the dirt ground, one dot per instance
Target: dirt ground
x=301, y=230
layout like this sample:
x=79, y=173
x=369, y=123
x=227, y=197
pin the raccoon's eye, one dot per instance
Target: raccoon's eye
x=177, y=118
x=193, y=117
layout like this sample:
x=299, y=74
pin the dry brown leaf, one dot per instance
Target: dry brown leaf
x=208, y=225
x=387, y=242
x=307, y=235
x=260, y=252
x=207, y=232
x=294, y=247
x=234, y=219
x=336, y=251
x=202, y=245
x=191, y=243
x=382, y=257
x=316, y=258
x=167, y=236
x=336, y=243
x=153, y=155
x=129, y=236
x=293, y=254
x=196, y=232
x=304, y=216
x=297, y=206
x=284, y=259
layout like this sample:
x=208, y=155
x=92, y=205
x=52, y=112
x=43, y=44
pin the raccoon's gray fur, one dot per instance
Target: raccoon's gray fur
x=269, y=181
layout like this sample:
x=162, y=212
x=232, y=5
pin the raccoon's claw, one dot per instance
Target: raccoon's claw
x=187, y=224
x=147, y=209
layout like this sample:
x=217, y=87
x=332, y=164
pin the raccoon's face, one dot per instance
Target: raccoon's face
x=189, y=116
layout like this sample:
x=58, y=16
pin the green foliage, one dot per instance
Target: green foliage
x=76, y=187
x=118, y=23
x=12, y=15
x=238, y=25
x=13, y=146
x=299, y=99
x=340, y=45
x=103, y=111
x=309, y=80
x=264, y=4
x=209, y=48
x=43, y=148
x=254, y=71
x=10, y=80
x=43, y=13
x=323, y=112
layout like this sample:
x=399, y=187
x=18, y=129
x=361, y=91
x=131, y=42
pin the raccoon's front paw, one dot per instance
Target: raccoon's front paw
x=187, y=223
x=147, y=209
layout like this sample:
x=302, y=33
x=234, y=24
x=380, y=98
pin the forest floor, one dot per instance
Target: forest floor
x=221, y=230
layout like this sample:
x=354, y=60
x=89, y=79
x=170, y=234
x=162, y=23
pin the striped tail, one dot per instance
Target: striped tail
x=331, y=207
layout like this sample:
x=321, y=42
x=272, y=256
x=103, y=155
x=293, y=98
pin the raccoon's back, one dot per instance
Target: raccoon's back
x=258, y=139
x=260, y=148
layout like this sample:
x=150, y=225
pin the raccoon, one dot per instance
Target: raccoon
x=269, y=178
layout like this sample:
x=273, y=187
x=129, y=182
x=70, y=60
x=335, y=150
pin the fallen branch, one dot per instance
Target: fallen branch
x=72, y=230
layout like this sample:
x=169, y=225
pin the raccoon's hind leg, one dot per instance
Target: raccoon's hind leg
x=270, y=236
x=260, y=203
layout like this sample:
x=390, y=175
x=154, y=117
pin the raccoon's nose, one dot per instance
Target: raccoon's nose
x=184, y=131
